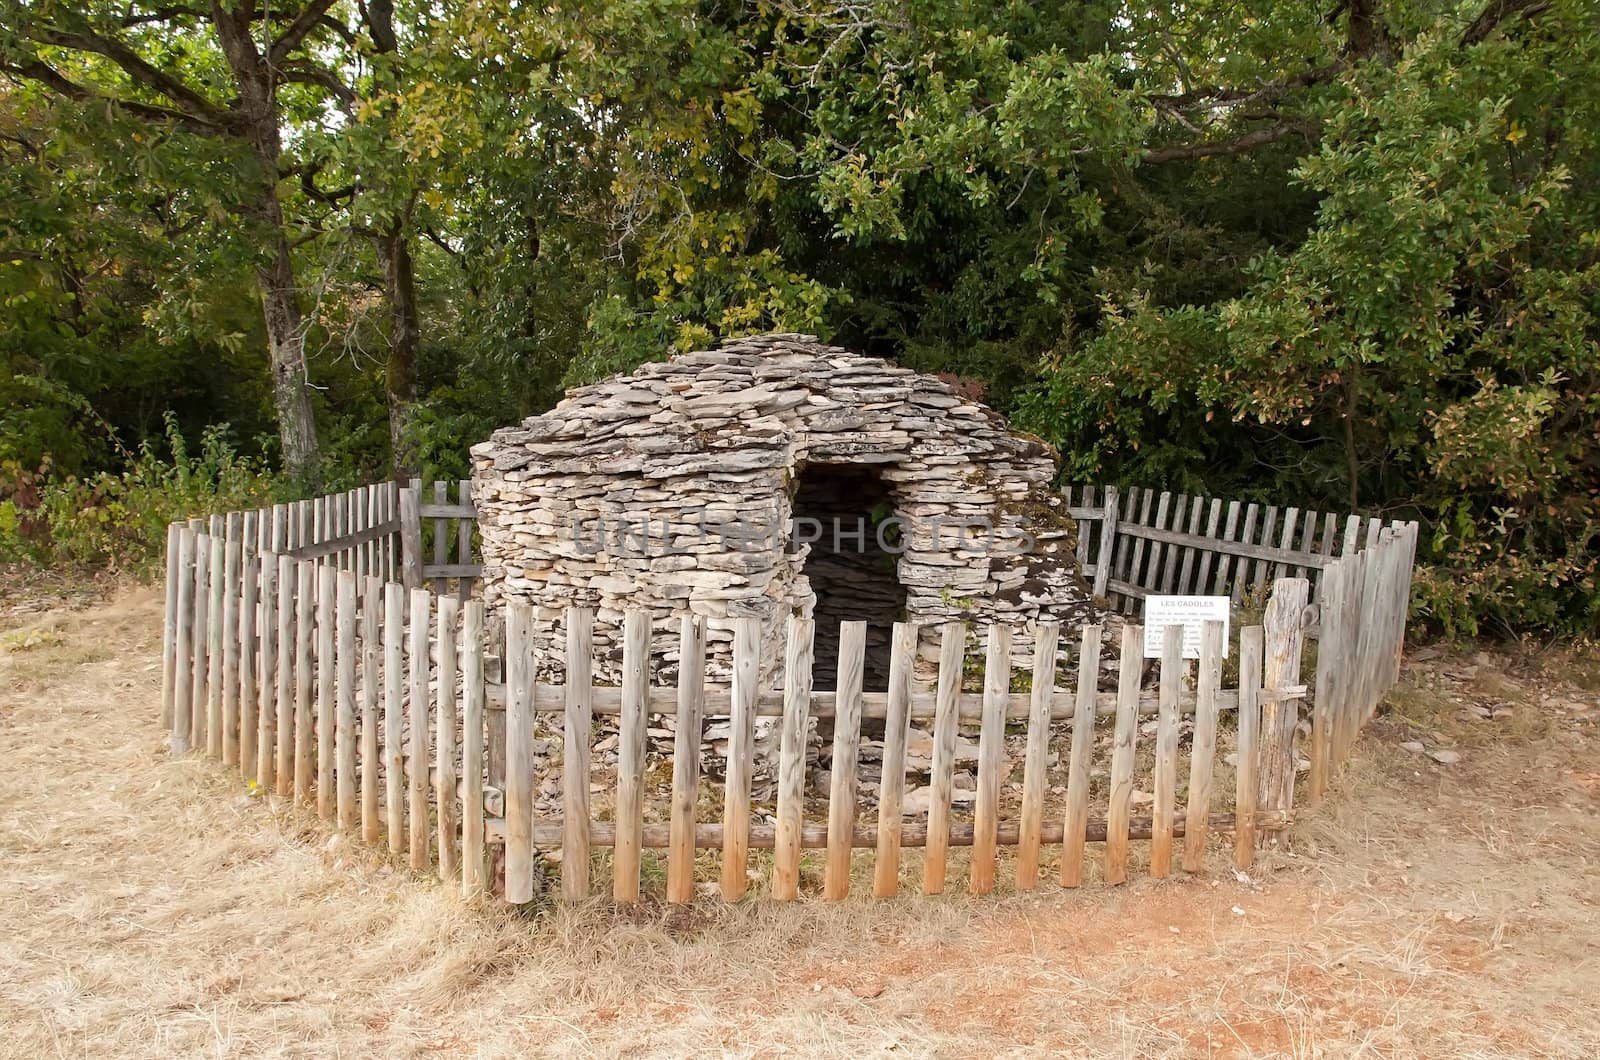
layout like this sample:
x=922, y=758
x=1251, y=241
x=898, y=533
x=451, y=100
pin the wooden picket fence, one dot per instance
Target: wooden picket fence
x=294, y=654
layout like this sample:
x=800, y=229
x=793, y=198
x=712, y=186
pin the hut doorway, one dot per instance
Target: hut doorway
x=838, y=511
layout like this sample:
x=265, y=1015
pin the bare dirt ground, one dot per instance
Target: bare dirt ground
x=150, y=907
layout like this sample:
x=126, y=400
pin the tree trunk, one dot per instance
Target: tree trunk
x=405, y=336
x=257, y=114
x=286, y=341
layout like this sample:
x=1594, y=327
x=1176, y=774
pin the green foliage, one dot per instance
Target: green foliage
x=1345, y=255
x=119, y=520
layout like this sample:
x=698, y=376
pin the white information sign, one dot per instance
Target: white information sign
x=1188, y=612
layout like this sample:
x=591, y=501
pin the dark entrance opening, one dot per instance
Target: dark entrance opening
x=838, y=509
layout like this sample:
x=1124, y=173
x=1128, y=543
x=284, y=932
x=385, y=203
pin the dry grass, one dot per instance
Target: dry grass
x=148, y=907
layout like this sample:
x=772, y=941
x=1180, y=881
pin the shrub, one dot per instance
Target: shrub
x=118, y=520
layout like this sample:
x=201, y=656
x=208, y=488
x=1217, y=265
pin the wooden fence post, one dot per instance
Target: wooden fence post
x=736, y=795
x=577, y=731
x=519, y=751
x=1036, y=758
x=169, y=628
x=685, y=760
x=394, y=751
x=183, y=646
x=417, y=760
x=846, y=752
x=991, y=737
x=411, y=536
x=347, y=807
x=200, y=641
x=444, y=790
x=892, y=784
x=1251, y=641
x=215, y=619
x=228, y=717
x=1331, y=663
x=1166, y=763
x=326, y=713
x=792, y=759
x=952, y=648
x=1208, y=683
x=249, y=601
x=1130, y=665
x=1082, y=746
x=472, y=700
x=266, y=716
x=1108, y=538
x=1280, y=702
x=629, y=841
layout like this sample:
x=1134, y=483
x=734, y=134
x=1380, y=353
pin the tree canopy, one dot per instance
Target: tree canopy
x=1344, y=255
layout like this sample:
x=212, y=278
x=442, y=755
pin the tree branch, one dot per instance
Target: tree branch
x=46, y=75
x=1237, y=146
x=82, y=38
x=303, y=23
x=1496, y=12
x=308, y=73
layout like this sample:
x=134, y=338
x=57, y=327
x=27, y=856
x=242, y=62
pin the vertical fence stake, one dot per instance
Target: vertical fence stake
x=169, y=628
x=417, y=760
x=394, y=755
x=1166, y=764
x=199, y=688
x=1130, y=667
x=266, y=713
x=411, y=536
x=736, y=796
x=519, y=752
x=846, y=752
x=1279, y=711
x=991, y=751
x=185, y=659
x=472, y=701
x=1036, y=759
x=792, y=759
x=249, y=599
x=1077, y=822
x=946, y=715
x=371, y=657
x=686, y=758
x=304, y=675
x=345, y=702
x=327, y=705
x=630, y=756
x=892, y=785
x=1108, y=537
x=1208, y=683
x=1251, y=640
x=444, y=791
x=577, y=732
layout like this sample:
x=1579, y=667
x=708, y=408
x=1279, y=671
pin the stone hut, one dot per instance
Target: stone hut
x=774, y=475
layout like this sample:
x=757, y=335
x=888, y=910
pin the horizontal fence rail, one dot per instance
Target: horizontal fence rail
x=1137, y=542
x=296, y=653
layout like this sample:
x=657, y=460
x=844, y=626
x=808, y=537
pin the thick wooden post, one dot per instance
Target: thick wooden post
x=411, y=536
x=1280, y=700
x=1108, y=537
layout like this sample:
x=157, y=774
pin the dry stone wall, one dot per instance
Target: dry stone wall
x=672, y=489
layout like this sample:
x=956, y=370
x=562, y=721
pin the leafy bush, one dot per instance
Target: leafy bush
x=119, y=521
